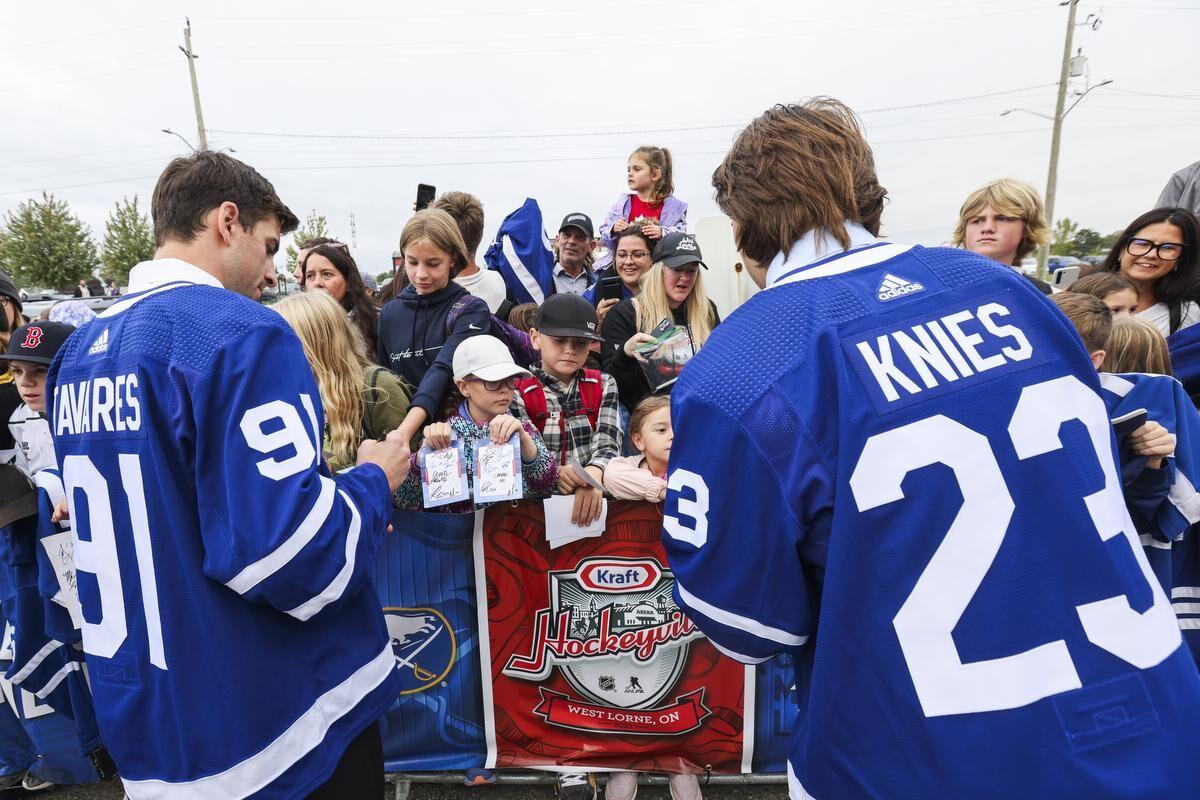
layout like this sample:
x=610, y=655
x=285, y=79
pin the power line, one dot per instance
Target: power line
x=1156, y=94
x=89, y=35
x=25, y=161
x=956, y=99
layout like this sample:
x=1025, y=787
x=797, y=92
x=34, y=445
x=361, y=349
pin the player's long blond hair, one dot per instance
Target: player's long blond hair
x=651, y=307
x=336, y=353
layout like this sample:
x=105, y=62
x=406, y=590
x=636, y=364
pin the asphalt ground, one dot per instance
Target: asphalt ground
x=112, y=791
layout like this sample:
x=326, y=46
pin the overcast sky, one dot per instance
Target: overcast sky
x=546, y=99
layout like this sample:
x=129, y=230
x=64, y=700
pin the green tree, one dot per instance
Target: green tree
x=1062, y=237
x=128, y=240
x=1086, y=242
x=43, y=244
x=383, y=278
x=315, y=225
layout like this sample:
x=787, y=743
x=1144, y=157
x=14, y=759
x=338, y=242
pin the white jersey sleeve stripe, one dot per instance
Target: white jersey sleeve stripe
x=58, y=678
x=1185, y=498
x=751, y=626
x=338, y=585
x=248, y=776
x=36, y=661
x=736, y=656
x=256, y=573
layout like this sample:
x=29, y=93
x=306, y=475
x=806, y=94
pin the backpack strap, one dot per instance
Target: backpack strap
x=370, y=404
x=534, y=396
x=457, y=308
x=591, y=392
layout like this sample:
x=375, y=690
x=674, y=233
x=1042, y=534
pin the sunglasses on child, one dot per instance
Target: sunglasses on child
x=495, y=386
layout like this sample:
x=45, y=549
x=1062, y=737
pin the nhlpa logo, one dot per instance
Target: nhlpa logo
x=100, y=345
x=423, y=644
x=892, y=287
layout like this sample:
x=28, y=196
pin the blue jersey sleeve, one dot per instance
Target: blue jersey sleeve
x=278, y=529
x=733, y=529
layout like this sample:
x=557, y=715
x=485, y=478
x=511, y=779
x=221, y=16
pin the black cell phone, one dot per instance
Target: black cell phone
x=609, y=288
x=425, y=195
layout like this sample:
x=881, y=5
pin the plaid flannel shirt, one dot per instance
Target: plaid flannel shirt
x=592, y=448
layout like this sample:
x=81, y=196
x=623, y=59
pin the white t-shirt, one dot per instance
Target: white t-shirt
x=486, y=284
x=1160, y=316
x=34, y=444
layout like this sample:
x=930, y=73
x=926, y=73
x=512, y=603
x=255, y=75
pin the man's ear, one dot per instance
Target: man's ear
x=225, y=218
x=591, y=245
x=1098, y=359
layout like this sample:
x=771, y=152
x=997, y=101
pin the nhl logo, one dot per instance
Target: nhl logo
x=424, y=646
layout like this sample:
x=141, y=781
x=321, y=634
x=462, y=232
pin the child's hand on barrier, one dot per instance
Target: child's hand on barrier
x=589, y=501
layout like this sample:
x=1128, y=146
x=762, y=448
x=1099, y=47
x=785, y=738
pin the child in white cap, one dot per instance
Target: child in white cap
x=485, y=377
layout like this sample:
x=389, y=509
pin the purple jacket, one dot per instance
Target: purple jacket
x=674, y=219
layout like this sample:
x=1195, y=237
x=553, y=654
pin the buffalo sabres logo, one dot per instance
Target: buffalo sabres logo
x=423, y=644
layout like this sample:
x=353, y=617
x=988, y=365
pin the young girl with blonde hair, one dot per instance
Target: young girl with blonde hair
x=1136, y=345
x=361, y=400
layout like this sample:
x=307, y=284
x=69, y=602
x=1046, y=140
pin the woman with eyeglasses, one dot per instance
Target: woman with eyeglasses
x=1157, y=254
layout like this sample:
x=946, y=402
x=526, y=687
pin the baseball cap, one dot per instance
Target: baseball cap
x=487, y=358
x=37, y=342
x=577, y=219
x=369, y=281
x=678, y=250
x=568, y=315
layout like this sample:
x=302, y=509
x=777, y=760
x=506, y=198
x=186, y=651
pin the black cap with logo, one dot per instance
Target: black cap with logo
x=37, y=342
x=678, y=250
x=568, y=315
x=578, y=220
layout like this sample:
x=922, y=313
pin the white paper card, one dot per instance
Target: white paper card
x=498, y=471
x=559, y=528
x=60, y=547
x=574, y=464
x=443, y=478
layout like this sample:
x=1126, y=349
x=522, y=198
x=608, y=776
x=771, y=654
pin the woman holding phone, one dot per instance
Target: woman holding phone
x=632, y=250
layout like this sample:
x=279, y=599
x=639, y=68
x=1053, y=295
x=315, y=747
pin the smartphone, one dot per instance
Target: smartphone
x=609, y=287
x=1128, y=423
x=1064, y=278
x=425, y=195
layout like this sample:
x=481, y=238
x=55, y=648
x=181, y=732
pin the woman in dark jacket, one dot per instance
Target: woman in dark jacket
x=416, y=337
x=672, y=289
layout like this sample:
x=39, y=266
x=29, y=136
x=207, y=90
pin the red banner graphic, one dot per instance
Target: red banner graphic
x=682, y=716
x=592, y=663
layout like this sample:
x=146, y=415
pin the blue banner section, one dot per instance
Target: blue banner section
x=425, y=577
x=774, y=713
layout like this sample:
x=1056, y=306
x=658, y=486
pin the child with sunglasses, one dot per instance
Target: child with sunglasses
x=485, y=378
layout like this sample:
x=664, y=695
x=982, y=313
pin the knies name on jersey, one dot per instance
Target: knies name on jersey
x=98, y=404
x=943, y=350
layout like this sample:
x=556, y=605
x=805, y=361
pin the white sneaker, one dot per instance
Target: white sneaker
x=685, y=787
x=621, y=786
x=32, y=783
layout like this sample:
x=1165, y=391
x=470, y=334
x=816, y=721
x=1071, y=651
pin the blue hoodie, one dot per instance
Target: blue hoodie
x=413, y=342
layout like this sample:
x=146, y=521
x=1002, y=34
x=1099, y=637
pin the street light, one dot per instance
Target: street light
x=189, y=144
x=1082, y=95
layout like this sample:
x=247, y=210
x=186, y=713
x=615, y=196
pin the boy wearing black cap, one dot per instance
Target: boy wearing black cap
x=574, y=408
x=30, y=350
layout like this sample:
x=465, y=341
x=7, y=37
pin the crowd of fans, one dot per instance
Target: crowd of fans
x=443, y=352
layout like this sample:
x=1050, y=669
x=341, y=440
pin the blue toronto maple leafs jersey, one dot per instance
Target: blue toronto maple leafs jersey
x=234, y=643
x=895, y=464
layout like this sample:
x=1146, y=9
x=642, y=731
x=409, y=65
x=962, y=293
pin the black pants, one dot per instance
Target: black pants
x=359, y=775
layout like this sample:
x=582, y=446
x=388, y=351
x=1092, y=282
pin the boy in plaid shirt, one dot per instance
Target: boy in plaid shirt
x=574, y=408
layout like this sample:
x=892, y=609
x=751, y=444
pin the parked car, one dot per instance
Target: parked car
x=1028, y=266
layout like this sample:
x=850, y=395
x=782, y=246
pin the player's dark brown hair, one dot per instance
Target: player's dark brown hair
x=798, y=168
x=1089, y=315
x=191, y=186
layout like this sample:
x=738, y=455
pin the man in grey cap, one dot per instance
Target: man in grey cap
x=1182, y=190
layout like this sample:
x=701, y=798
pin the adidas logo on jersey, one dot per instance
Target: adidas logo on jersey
x=892, y=287
x=100, y=345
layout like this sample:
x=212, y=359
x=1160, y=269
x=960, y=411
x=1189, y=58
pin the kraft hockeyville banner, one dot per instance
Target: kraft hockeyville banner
x=515, y=655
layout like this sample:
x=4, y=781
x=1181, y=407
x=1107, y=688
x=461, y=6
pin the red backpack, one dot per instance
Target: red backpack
x=591, y=392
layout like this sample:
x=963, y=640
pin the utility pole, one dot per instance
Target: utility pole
x=1056, y=137
x=191, y=57
x=353, y=233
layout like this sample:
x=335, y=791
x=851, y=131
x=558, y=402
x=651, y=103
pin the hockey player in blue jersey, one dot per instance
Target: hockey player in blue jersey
x=895, y=464
x=235, y=645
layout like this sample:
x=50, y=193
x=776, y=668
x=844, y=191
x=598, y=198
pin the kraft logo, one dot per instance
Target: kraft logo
x=619, y=576
x=892, y=287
